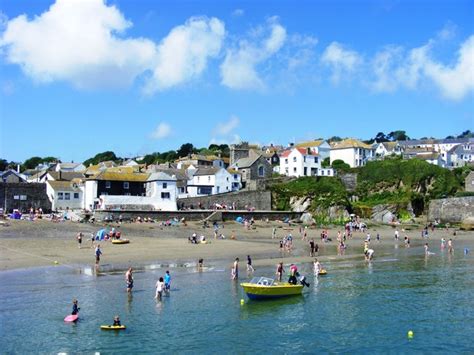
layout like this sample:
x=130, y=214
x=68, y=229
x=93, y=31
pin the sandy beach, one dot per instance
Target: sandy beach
x=26, y=244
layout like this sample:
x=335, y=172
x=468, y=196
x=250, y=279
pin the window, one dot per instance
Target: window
x=236, y=176
x=16, y=197
x=227, y=179
x=286, y=161
x=165, y=195
x=22, y=197
x=67, y=195
x=205, y=190
x=126, y=185
x=304, y=159
x=60, y=196
x=261, y=171
x=294, y=170
x=322, y=172
x=294, y=159
x=165, y=185
x=76, y=195
x=316, y=160
x=107, y=184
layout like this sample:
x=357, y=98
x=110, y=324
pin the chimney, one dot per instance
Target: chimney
x=18, y=168
x=60, y=175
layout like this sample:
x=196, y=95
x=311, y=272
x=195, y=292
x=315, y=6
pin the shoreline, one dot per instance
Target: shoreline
x=26, y=244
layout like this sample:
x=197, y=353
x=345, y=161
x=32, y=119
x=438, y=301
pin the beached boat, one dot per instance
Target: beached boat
x=120, y=241
x=265, y=288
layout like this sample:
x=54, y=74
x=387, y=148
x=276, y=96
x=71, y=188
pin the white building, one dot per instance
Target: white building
x=461, y=155
x=320, y=147
x=432, y=158
x=211, y=181
x=352, y=152
x=384, y=149
x=65, y=194
x=69, y=167
x=302, y=162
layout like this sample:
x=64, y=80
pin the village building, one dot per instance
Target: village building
x=384, y=149
x=302, y=162
x=65, y=194
x=69, y=167
x=432, y=158
x=320, y=147
x=460, y=155
x=254, y=169
x=469, y=182
x=211, y=181
x=23, y=196
x=351, y=151
x=11, y=176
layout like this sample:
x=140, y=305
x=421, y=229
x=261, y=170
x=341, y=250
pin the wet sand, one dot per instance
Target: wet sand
x=26, y=244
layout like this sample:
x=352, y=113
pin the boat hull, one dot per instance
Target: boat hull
x=262, y=292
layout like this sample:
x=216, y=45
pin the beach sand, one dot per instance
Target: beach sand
x=26, y=244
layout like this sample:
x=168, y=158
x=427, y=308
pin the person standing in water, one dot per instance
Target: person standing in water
x=129, y=279
x=160, y=285
x=249, y=264
x=450, y=246
x=98, y=253
x=427, y=251
x=235, y=269
x=75, y=308
x=79, y=240
x=317, y=267
x=280, y=271
x=167, y=282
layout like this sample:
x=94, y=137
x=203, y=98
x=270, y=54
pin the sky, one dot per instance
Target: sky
x=79, y=77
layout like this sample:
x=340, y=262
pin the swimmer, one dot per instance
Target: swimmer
x=369, y=254
x=443, y=243
x=79, y=239
x=450, y=246
x=98, y=253
x=427, y=252
x=200, y=263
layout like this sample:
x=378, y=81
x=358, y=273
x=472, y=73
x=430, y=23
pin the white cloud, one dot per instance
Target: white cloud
x=163, y=130
x=184, y=53
x=395, y=67
x=78, y=41
x=341, y=60
x=239, y=69
x=225, y=128
x=238, y=12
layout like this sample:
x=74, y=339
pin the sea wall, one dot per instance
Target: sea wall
x=23, y=196
x=196, y=215
x=241, y=200
x=452, y=210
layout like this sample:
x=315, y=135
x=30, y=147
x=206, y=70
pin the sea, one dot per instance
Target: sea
x=358, y=307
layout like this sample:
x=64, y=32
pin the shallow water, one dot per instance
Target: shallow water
x=355, y=308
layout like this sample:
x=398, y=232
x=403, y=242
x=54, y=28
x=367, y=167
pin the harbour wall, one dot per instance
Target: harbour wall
x=452, y=210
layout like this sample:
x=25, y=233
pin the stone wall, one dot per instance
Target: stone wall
x=452, y=210
x=196, y=215
x=259, y=200
x=349, y=180
x=23, y=196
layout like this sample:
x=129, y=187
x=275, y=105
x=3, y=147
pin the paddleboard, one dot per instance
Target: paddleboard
x=71, y=318
x=112, y=327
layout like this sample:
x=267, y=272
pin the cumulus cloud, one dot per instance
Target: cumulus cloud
x=82, y=42
x=396, y=67
x=224, y=133
x=239, y=69
x=163, y=130
x=342, y=61
x=184, y=53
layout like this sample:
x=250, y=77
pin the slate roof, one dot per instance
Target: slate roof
x=63, y=186
x=206, y=171
x=350, y=143
x=310, y=144
x=246, y=162
x=66, y=175
x=160, y=176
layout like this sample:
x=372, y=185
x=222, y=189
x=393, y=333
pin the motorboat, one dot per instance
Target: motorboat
x=266, y=288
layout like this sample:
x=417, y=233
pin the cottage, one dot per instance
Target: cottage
x=65, y=194
x=384, y=149
x=253, y=170
x=11, y=176
x=211, y=181
x=69, y=167
x=320, y=147
x=302, y=162
x=460, y=155
x=351, y=151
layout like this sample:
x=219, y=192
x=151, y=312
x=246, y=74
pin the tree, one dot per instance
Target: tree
x=340, y=165
x=185, y=150
x=398, y=136
x=326, y=163
x=104, y=156
x=3, y=164
x=334, y=139
x=381, y=137
x=466, y=134
x=32, y=163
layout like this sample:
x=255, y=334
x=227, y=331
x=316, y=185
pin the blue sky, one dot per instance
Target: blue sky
x=80, y=77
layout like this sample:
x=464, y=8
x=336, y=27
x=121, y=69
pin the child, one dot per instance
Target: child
x=75, y=309
x=159, y=289
x=117, y=321
x=167, y=281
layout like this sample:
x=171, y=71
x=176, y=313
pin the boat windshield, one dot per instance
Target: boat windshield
x=265, y=281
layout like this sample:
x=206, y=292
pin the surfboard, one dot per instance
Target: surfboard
x=71, y=318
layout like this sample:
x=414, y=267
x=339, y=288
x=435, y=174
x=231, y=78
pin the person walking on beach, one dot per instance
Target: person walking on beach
x=280, y=271
x=129, y=279
x=79, y=240
x=274, y=232
x=397, y=234
x=98, y=253
x=249, y=264
x=311, y=247
x=160, y=286
x=235, y=269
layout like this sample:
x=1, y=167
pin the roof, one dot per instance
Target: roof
x=246, y=162
x=233, y=171
x=206, y=171
x=194, y=157
x=127, y=173
x=390, y=145
x=159, y=176
x=63, y=185
x=350, y=143
x=310, y=144
x=66, y=175
x=69, y=165
x=429, y=156
x=302, y=151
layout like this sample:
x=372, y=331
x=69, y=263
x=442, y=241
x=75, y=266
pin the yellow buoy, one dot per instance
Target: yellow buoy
x=242, y=302
x=56, y=262
x=410, y=334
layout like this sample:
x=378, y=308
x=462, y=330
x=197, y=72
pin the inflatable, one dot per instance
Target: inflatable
x=112, y=327
x=120, y=241
x=71, y=318
x=322, y=272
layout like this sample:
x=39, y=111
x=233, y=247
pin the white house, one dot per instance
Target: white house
x=432, y=158
x=162, y=189
x=352, y=152
x=69, y=167
x=211, y=181
x=320, y=147
x=460, y=155
x=384, y=149
x=65, y=194
x=302, y=162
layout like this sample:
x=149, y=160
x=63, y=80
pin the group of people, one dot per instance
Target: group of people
x=286, y=244
x=163, y=286
x=75, y=311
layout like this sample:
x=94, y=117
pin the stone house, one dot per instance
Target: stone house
x=23, y=196
x=11, y=176
x=254, y=169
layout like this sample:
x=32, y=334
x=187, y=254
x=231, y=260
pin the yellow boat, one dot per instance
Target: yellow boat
x=322, y=272
x=112, y=327
x=120, y=241
x=265, y=288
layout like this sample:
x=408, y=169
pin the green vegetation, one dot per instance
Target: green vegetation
x=98, y=158
x=340, y=166
x=33, y=162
